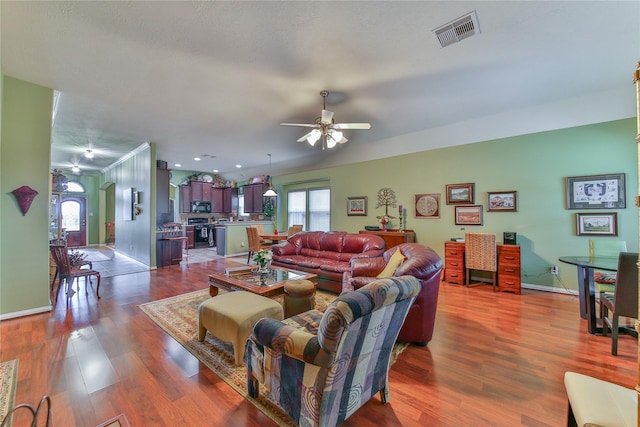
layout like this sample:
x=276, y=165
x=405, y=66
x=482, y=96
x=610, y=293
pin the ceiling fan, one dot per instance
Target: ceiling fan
x=326, y=128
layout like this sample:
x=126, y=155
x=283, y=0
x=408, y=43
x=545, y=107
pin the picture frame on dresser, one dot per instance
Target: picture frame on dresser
x=597, y=224
x=468, y=215
x=460, y=193
x=596, y=191
x=357, y=206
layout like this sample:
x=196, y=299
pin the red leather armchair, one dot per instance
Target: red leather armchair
x=421, y=262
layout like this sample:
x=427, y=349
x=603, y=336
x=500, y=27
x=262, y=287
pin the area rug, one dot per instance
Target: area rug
x=8, y=381
x=95, y=254
x=178, y=317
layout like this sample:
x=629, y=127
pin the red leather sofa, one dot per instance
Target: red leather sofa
x=421, y=262
x=326, y=254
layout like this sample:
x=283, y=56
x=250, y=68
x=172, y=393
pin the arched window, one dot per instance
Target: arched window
x=75, y=187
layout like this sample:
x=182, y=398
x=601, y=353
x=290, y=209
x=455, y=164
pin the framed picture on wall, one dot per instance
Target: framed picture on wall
x=469, y=215
x=596, y=191
x=427, y=205
x=600, y=224
x=502, y=201
x=460, y=193
x=357, y=206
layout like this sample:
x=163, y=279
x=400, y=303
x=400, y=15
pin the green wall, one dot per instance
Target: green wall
x=24, y=160
x=534, y=165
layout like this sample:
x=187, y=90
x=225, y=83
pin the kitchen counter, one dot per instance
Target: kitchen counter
x=232, y=236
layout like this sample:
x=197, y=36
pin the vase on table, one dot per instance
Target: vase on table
x=384, y=227
x=263, y=267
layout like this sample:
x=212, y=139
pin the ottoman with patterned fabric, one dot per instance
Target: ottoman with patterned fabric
x=231, y=316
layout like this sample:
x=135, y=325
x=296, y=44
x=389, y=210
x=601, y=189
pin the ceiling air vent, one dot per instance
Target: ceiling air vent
x=458, y=29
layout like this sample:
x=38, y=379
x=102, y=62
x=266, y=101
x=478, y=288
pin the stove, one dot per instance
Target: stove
x=203, y=232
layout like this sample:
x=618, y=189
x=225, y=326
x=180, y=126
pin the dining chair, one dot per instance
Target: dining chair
x=604, y=281
x=481, y=254
x=253, y=242
x=624, y=301
x=69, y=273
x=295, y=228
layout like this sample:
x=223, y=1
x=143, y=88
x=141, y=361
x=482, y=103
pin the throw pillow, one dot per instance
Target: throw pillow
x=392, y=265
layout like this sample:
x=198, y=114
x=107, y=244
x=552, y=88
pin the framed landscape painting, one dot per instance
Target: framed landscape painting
x=600, y=224
x=460, y=193
x=357, y=206
x=596, y=191
x=502, y=201
x=469, y=215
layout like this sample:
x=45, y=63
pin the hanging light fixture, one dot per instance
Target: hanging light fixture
x=270, y=192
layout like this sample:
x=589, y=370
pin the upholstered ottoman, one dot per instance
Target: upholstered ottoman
x=231, y=316
x=299, y=296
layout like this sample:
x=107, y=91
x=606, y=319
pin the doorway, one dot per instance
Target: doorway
x=74, y=220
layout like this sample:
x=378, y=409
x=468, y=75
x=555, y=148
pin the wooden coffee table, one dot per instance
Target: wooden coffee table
x=268, y=285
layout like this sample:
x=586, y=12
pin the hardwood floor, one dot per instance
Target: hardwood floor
x=496, y=359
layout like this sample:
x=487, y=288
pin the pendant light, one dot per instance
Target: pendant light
x=270, y=192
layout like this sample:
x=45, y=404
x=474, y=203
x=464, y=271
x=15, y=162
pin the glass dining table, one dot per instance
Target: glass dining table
x=586, y=266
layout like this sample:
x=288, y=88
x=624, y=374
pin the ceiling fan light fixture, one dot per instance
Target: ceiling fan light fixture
x=313, y=137
x=270, y=192
x=88, y=154
x=75, y=169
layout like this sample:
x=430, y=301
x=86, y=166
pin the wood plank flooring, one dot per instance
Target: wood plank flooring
x=496, y=359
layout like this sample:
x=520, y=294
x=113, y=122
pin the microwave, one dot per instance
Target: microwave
x=200, y=207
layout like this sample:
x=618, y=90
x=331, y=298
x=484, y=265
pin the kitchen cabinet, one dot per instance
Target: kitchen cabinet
x=191, y=239
x=224, y=200
x=253, y=199
x=200, y=191
x=163, y=177
x=185, y=197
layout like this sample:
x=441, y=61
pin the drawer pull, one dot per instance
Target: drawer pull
x=510, y=258
x=509, y=270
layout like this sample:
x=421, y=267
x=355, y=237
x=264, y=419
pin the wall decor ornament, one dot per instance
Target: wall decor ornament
x=357, y=206
x=386, y=198
x=597, y=224
x=469, y=215
x=460, y=193
x=596, y=191
x=427, y=205
x=502, y=201
x=24, y=195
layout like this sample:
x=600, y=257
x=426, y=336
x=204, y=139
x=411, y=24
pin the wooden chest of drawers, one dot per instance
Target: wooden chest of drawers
x=508, y=266
x=454, y=262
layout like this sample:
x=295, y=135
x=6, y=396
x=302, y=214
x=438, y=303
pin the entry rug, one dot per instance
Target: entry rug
x=8, y=381
x=178, y=316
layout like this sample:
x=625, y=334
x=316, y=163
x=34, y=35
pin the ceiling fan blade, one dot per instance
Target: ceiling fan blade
x=327, y=117
x=304, y=137
x=304, y=125
x=351, y=126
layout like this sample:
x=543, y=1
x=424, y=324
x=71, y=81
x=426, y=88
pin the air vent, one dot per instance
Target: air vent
x=458, y=29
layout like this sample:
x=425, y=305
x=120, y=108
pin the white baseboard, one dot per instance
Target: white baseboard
x=548, y=289
x=22, y=313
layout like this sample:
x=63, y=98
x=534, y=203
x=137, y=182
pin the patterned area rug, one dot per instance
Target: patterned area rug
x=8, y=380
x=178, y=317
x=95, y=254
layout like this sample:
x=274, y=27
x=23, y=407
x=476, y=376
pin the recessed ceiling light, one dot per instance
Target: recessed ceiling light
x=238, y=166
x=216, y=171
x=197, y=159
x=178, y=165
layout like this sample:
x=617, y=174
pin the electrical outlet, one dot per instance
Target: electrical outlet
x=554, y=270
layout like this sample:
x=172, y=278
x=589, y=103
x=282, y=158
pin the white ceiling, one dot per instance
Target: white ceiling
x=217, y=78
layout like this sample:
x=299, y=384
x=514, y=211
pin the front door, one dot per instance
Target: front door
x=74, y=220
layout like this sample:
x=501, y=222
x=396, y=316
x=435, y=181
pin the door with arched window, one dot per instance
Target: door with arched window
x=74, y=220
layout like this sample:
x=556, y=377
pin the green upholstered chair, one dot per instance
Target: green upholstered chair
x=605, y=280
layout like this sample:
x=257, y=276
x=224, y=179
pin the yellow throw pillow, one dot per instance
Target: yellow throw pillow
x=394, y=262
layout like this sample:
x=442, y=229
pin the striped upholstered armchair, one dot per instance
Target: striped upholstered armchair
x=321, y=367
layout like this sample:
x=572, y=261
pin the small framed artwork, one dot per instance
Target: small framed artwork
x=469, y=215
x=427, y=205
x=600, y=224
x=458, y=194
x=357, y=206
x=502, y=201
x=596, y=191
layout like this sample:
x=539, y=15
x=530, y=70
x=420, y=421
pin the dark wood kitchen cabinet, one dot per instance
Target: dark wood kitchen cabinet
x=223, y=200
x=253, y=199
x=185, y=197
x=191, y=240
x=200, y=191
x=163, y=176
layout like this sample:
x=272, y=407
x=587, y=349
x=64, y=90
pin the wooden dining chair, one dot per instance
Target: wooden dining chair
x=481, y=254
x=295, y=228
x=253, y=242
x=68, y=273
x=624, y=301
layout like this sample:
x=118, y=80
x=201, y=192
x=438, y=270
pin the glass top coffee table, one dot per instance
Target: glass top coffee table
x=249, y=280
